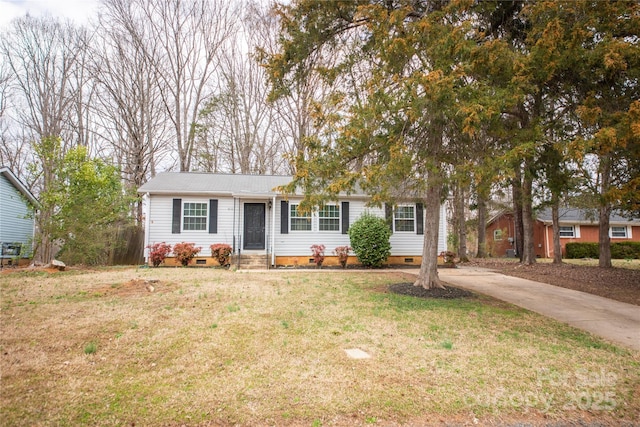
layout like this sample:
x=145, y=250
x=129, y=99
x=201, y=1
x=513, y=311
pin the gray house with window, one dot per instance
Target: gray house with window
x=246, y=212
x=17, y=225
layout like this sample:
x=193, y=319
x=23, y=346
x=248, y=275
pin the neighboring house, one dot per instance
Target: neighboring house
x=246, y=212
x=17, y=226
x=576, y=225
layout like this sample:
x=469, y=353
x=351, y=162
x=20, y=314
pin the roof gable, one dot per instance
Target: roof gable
x=15, y=181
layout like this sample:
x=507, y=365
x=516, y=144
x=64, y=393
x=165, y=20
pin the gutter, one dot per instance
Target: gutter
x=546, y=241
x=273, y=232
x=147, y=225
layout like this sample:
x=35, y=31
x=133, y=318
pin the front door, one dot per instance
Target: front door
x=254, y=226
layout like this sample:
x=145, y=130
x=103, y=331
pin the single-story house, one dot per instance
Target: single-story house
x=17, y=226
x=576, y=225
x=260, y=223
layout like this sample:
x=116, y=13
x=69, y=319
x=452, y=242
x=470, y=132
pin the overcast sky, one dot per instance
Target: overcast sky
x=77, y=10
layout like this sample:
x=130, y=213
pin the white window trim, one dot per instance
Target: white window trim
x=339, y=230
x=497, y=230
x=291, y=217
x=627, y=232
x=206, y=216
x=413, y=207
x=576, y=231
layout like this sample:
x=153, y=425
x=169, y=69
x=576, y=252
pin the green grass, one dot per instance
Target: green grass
x=214, y=346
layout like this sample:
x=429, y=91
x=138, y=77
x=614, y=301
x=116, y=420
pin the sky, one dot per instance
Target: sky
x=76, y=10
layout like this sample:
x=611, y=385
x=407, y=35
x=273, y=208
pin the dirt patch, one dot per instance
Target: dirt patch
x=136, y=287
x=449, y=292
x=620, y=284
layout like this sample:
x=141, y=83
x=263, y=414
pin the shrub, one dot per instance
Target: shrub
x=185, y=252
x=343, y=254
x=582, y=250
x=625, y=250
x=619, y=250
x=449, y=257
x=222, y=252
x=158, y=252
x=318, y=254
x=369, y=237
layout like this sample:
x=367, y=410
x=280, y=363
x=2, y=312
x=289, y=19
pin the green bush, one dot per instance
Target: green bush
x=619, y=250
x=369, y=237
x=582, y=250
x=625, y=250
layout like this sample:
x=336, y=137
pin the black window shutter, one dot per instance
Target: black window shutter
x=388, y=215
x=213, y=216
x=345, y=217
x=284, y=217
x=177, y=216
x=419, y=218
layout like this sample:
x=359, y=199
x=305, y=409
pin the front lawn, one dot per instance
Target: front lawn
x=200, y=345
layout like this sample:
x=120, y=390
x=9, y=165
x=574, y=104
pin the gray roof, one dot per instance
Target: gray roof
x=214, y=184
x=584, y=216
x=19, y=185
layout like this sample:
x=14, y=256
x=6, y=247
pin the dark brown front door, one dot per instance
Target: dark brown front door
x=254, y=226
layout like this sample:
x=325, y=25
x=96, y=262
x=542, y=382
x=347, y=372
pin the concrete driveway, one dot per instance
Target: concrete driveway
x=615, y=321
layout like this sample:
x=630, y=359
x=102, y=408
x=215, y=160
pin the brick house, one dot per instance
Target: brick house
x=576, y=225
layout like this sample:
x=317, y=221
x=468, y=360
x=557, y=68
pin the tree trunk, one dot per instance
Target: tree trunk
x=555, y=218
x=482, y=224
x=462, y=224
x=604, y=242
x=517, y=214
x=428, y=276
x=528, y=244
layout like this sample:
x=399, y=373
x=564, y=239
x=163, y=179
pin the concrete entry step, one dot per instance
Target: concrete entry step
x=250, y=262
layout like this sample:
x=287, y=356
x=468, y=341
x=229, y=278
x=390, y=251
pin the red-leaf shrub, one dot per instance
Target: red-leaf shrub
x=343, y=254
x=158, y=252
x=222, y=252
x=318, y=254
x=185, y=252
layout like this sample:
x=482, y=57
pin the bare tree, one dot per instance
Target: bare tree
x=43, y=56
x=237, y=132
x=181, y=39
x=129, y=104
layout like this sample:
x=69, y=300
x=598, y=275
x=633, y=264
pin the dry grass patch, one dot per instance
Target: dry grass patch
x=213, y=346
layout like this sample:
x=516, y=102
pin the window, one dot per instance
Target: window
x=404, y=218
x=329, y=218
x=619, y=232
x=497, y=235
x=194, y=216
x=567, y=231
x=299, y=221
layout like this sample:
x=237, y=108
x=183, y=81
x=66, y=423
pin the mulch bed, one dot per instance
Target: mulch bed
x=449, y=292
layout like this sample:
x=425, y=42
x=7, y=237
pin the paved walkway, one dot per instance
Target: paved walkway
x=615, y=321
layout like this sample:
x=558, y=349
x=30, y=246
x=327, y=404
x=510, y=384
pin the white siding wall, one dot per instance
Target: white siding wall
x=297, y=243
x=14, y=226
x=294, y=243
x=161, y=213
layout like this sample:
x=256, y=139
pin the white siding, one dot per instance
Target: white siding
x=161, y=213
x=298, y=243
x=14, y=224
x=294, y=243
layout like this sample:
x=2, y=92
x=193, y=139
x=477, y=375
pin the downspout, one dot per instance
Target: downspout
x=546, y=240
x=273, y=231
x=147, y=224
